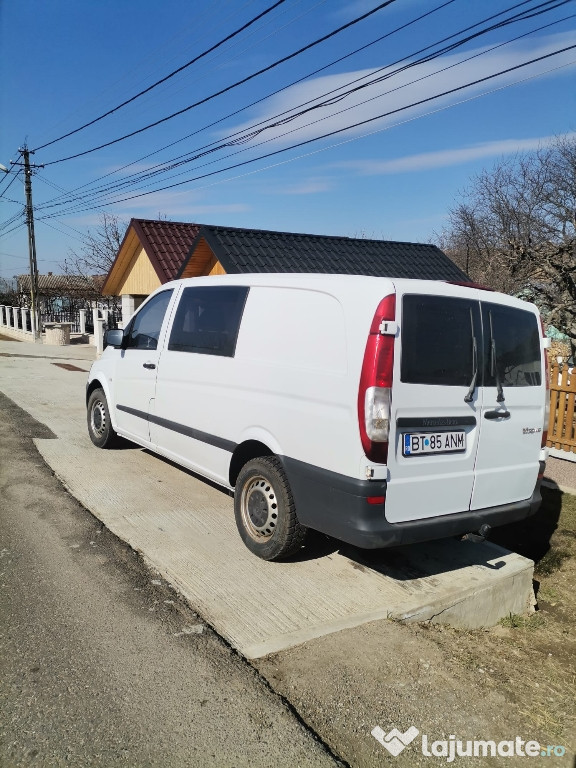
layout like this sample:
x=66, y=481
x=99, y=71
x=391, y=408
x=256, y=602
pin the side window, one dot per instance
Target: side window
x=144, y=329
x=512, y=347
x=208, y=319
x=438, y=340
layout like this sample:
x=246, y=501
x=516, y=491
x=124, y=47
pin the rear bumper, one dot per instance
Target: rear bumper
x=337, y=505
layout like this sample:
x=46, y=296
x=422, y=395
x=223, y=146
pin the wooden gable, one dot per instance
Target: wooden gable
x=132, y=272
x=202, y=262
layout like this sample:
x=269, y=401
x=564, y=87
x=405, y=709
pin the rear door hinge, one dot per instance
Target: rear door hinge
x=388, y=328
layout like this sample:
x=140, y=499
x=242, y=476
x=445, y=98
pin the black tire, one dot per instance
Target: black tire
x=265, y=511
x=99, y=423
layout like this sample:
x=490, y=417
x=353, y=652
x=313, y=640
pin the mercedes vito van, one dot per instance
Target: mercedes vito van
x=378, y=411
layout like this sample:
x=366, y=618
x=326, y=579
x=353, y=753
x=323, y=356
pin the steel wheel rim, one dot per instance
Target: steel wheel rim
x=259, y=508
x=98, y=418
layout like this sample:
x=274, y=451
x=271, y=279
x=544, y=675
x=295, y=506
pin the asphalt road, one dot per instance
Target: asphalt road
x=100, y=663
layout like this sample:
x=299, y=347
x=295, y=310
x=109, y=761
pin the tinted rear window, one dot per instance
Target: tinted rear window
x=437, y=340
x=208, y=319
x=516, y=338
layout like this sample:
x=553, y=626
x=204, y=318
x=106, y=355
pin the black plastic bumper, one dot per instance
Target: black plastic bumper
x=337, y=505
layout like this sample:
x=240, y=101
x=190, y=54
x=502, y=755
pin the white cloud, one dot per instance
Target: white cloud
x=443, y=158
x=401, y=90
x=309, y=187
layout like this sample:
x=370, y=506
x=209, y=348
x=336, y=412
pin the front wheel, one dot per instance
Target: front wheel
x=99, y=423
x=265, y=511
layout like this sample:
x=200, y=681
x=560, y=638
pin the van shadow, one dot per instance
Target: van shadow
x=407, y=563
x=531, y=537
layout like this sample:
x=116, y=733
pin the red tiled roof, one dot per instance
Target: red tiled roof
x=167, y=243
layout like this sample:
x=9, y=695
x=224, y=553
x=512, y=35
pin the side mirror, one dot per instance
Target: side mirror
x=114, y=338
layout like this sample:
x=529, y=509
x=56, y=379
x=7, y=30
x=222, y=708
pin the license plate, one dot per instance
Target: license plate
x=419, y=443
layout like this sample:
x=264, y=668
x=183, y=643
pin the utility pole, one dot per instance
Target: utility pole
x=28, y=169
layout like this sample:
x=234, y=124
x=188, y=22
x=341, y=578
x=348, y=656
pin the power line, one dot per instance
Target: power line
x=248, y=134
x=57, y=229
x=269, y=95
x=12, y=180
x=228, y=88
x=169, y=76
x=172, y=43
x=336, y=131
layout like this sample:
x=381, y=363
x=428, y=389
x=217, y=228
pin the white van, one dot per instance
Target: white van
x=378, y=411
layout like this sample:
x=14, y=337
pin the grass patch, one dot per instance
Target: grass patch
x=518, y=621
x=552, y=561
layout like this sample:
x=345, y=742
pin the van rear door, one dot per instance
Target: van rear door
x=434, y=419
x=511, y=416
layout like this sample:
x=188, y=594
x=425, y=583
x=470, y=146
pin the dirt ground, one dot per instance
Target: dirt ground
x=516, y=679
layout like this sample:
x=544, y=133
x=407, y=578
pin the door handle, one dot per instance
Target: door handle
x=497, y=415
x=151, y=366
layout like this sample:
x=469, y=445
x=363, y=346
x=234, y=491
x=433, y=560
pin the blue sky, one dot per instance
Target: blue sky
x=65, y=62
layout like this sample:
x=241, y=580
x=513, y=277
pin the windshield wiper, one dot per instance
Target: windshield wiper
x=468, y=397
x=494, y=366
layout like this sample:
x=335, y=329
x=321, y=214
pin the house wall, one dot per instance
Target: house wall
x=217, y=269
x=140, y=277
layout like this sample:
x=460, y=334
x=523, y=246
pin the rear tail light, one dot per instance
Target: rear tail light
x=374, y=393
x=547, y=400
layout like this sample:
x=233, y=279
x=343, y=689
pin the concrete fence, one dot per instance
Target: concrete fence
x=16, y=323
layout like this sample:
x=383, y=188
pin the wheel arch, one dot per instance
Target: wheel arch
x=101, y=384
x=244, y=452
x=94, y=384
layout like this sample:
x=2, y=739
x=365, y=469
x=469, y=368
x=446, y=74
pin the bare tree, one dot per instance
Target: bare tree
x=8, y=292
x=100, y=248
x=514, y=229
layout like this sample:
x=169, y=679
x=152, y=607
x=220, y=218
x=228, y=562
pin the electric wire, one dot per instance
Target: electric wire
x=269, y=95
x=337, y=131
x=12, y=180
x=248, y=135
x=242, y=81
x=214, y=146
x=169, y=76
x=172, y=43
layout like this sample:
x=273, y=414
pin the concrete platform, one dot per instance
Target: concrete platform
x=185, y=529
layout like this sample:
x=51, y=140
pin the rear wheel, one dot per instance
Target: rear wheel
x=265, y=510
x=99, y=423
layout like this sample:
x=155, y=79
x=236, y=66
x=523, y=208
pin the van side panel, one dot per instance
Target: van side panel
x=289, y=379
x=293, y=370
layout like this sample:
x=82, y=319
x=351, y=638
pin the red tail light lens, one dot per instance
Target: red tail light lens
x=374, y=393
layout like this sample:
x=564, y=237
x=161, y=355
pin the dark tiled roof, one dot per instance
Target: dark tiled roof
x=252, y=250
x=167, y=244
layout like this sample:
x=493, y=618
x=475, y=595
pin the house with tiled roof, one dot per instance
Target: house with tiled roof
x=151, y=254
x=155, y=252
